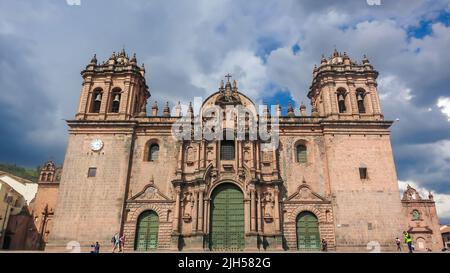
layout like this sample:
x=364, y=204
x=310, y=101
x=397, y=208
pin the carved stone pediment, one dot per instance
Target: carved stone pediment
x=419, y=229
x=411, y=194
x=149, y=193
x=305, y=194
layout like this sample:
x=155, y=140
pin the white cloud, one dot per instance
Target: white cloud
x=444, y=104
x=188, y=47
x=442, y=200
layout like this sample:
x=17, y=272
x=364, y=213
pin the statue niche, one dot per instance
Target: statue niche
x=187, y=204
x=268, y=203
x=190, y=156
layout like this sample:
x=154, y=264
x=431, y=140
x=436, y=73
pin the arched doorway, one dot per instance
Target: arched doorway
x=147, y=231
x=421, y=244
x=227, y=218
x=308, y=236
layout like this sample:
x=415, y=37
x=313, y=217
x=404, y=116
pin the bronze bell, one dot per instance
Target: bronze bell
x=117, y=98
x=98, y=97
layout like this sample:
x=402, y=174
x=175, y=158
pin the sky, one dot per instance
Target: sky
x=269, y=47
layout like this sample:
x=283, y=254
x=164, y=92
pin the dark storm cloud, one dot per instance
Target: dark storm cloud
x=188, y=46
x=23, y=105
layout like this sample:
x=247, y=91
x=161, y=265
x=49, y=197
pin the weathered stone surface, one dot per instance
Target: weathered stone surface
x=179, y=183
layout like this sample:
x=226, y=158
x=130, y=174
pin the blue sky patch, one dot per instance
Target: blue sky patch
x=295, y=49
x=278, y=95
x=265, y=46
x=424, y=27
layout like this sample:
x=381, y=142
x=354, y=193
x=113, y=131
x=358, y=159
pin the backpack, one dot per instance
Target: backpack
x=113, y=239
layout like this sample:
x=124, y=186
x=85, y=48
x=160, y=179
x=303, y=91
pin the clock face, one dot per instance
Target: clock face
x=96, y=144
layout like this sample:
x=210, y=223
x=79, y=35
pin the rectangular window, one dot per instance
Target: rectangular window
x=363, y=173
x=227, y=150
x=92, y=172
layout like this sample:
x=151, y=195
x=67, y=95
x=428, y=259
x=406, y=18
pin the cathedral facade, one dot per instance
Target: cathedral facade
x=216, y=179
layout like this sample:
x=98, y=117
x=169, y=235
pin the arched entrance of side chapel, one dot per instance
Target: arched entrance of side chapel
x=227, y=218
x=147, y=228
x=308, y=236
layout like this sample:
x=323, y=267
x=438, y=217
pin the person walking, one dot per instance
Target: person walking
x=399, y=244
x=121, y=243
x=116, y=242
x=408, y=241
x=96, y=248
x=324, y=245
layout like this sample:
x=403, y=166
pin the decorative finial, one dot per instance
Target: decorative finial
x=335, y=53
x=228, y=76
x=166, y=110
x=190, y=111
x=133, y=60
x=178, y=110
x=302, y=109
x=365, y=59
x=94, y=59
x=290, y=110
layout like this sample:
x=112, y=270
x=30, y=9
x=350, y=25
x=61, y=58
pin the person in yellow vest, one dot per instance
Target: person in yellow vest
x=408, y=241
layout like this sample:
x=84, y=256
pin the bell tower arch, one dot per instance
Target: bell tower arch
x=343, y=89
x=113, y=90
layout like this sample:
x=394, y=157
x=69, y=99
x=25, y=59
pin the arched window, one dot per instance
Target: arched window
x=153, y=152
x=96, y=101
x=360, y=95
x=301, y=153
x=341, y=100
x=115, y=103
x=227, y=150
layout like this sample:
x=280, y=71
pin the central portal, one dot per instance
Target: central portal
x=227, y=218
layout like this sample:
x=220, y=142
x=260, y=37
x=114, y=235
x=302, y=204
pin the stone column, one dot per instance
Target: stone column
x=277, y=210
x=203, y=154
x=274, y=162
x=86, y=98
x=194, y=212
x=252, y=210
x=326, y=101
x=105, y=97
x=180, y=159
x=375, y=101
x=258, y=157
x=239, y=153
x=353, y=100
x=260, y=218
x=368, y=103
x=207, y=215
x=127, y=98
x=199, y=149
x=200, y=209
x=176, y=216
x=247, y=213
x=333, y=99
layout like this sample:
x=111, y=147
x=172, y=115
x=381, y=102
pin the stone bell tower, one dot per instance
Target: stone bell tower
x=345, y=90
x=113, y=90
